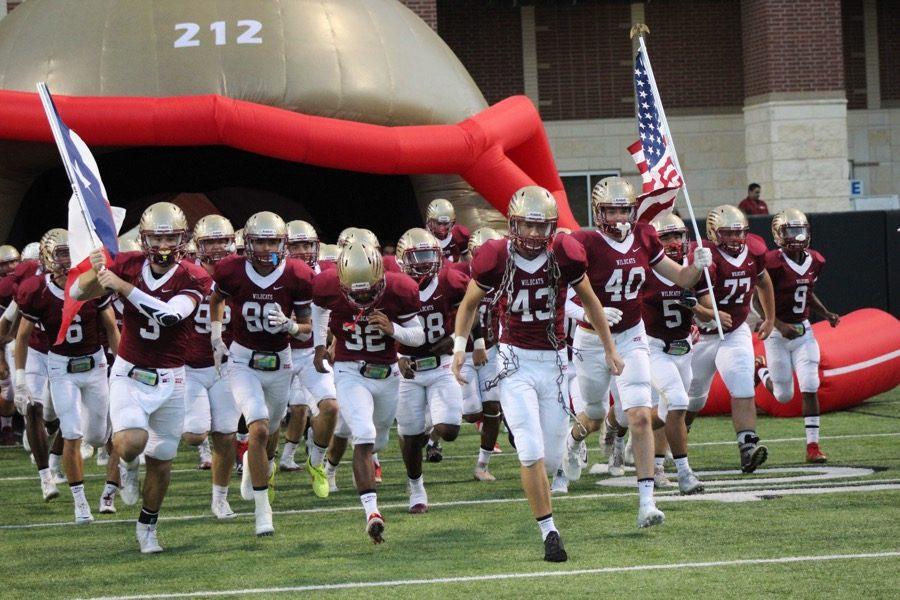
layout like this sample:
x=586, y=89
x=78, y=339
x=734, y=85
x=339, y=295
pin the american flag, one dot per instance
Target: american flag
x=661, y=178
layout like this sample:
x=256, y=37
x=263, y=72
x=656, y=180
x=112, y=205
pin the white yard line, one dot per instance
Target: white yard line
x=726, y=495
x=513, y=576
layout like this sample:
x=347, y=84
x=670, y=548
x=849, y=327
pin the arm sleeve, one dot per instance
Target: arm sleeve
x=320, y=318
x=10, y=313
x=166, y=314
x=411, y=333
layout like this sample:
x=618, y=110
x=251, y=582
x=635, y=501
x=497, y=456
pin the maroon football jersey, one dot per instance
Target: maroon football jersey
x=734, y=278
x=390, y=264
x=305, y=345
x=253, y=295
x=9, y=285
x=793, y=283
x=456, y=244
x=41, y=301
x=440, y=298
x=525, y=315
x=355, y=338
x=144, y=342
x=617, y=270
x=663, y=316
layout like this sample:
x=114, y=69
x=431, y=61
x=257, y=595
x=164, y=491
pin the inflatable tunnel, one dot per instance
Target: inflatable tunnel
x=860, y=358
x=338, y=112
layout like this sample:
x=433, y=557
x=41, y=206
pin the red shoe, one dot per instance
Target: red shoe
x=377, y=472
x=814, y=454
x=375, y=528
x=497, y=449
x=7, y=437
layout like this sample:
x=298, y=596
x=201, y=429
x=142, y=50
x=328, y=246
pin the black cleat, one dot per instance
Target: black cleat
x=752, y=456
x=434, y=453
x=554, y=551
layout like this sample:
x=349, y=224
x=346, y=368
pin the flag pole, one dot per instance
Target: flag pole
x=639, y=29
x=50, y=111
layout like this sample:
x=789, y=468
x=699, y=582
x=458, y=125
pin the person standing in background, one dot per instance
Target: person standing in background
x=753, y=204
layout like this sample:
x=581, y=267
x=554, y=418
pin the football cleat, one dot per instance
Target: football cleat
x=375, y=528
x=264, y=526
x=146, y=537
x=222, y=510
x=649, y=515
x=48, y=489
x=418, y=501
x=320, y=484
x=205, y=463
x=660, y=481
x=59, y=478
x=609, y=438
x=560, y=483
x=689, y=484
x=434, y=453
x=814, y=454
x=83, y=514
x=752, y=456
x=572, y=463
x=377, y=471
x=628, y=456
x=617, y=459
x=331, y=473
x=246, y=483
x=288, y=466
x=130, y=489
x=497, y=449
x=482, y=473
x=108, y=504
x=554, y=551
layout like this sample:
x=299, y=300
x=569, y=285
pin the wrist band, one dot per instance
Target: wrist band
x=459, y=344
x=479, y=344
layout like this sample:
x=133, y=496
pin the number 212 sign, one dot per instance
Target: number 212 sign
x=248, y=33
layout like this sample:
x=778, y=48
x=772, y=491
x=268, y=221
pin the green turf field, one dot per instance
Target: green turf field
x=833, y=536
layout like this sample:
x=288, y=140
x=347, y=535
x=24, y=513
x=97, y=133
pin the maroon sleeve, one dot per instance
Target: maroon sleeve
x=7, y=292
x=650, y=241
x=27, y=297
x=489, y=263
x=197, y=282
x=457, y=282
x=126, y=265
x=302, y=292
x=325, y=288
x=407, y=295
x=571, y=257
x=757, y=246
x=223, y=278
x=461, y=236
x=817, y=257
x=390, y=264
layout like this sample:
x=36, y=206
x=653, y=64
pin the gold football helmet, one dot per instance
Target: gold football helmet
x=239, y=241
x=164, y=233
x=727, y=227
x=328, y=253
x=31, y=251
x=54, y=254
x=532, y=219
x=480, y=236
x=344, y=236
x=615, y=206
x=265, y=237
x=790, y=229
x=9, y=258
x=419, y=254
x=440, y=217
x=673, y=235
x=190, y=249
x=214, y=236
x=303, y=242
x=361, y=274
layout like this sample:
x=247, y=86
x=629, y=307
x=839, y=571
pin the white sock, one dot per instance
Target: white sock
x=135, y=464
x=660, y=461
x=645, y=491
x=417, y=484
x=546, y=525
x=375, y=458
x=45, y=474
x=271, y=466
x=620, y=443
x=484, y=457
x=682, y=465
x=54, y=461
x=316, y=454
x=571, y=442
x=812, y=429
x=204, y=445
x=242, y=437
x=764, y=376
x=110, y=490
x=369, y=502
x=330, y=468
x=78, y=493
x=287, y=454
x=220, y=492
x=261, y=499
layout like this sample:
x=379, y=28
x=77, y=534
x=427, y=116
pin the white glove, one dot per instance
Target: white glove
x=613, y=315
x=702, y=257
x=219, y=348
x=22, y=398
x=282, y=322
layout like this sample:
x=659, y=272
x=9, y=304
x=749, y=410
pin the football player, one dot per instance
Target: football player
x=210, y=408
x=440, y=220
x=368, y=311
x=621, y=253
x=738, y=268
x=427, y=385
x=9, y=258
x=667, y=312
x=794, y=268
x=530, y=274
x=481, y=402
x=146, y=390
x=76, y=367
x=328, y=254
x=265, y=288
x=311, y=391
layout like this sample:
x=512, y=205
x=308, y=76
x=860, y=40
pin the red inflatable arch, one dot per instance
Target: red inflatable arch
x=497, y=151
x=860, y=358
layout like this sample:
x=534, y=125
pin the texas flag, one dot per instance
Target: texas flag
x=93, y=222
